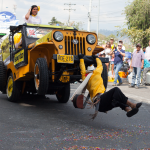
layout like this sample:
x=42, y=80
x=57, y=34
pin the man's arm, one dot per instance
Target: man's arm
x=83, y=70
x=142, y=64
x=123, y=54
x=99, y=67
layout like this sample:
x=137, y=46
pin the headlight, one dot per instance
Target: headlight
x=91, y=39
x=58, y=36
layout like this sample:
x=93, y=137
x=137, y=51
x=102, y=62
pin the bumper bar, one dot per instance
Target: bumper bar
x=87, y=59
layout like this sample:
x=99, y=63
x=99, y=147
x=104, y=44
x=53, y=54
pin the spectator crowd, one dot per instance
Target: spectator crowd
x=138, y=63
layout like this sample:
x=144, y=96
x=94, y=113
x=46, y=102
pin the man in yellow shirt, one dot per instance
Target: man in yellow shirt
x=104, y=102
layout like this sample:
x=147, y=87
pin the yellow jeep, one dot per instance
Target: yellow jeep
x=47, y=60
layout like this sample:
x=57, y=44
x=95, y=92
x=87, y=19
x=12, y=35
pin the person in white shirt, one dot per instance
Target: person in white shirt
x=147, y=52
x=107, y=52
x=32, y=15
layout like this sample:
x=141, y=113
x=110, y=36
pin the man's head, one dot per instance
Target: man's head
x=111, y=41
x=138, y=47
x=121, y=42
x=144, y=49
x=119, y=46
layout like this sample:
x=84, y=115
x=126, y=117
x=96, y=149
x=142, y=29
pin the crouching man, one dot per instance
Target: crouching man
x=101, y=100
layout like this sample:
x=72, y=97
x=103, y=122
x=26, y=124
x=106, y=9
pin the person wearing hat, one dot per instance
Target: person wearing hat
x=112, y=43
x=32, y=15
x=137, y=63
x=101, y=100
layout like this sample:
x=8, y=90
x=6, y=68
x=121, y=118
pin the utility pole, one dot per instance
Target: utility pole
x=89, y=16
x=69, y=4
x=98, y=18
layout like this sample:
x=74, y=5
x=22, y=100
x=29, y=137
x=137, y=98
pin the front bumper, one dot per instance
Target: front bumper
x=87, y=59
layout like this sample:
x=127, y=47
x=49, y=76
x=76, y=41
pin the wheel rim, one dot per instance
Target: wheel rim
x=36, y=76
x=9, y=87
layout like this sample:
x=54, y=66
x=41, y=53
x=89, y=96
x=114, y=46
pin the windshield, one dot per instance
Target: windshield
x=37, y=32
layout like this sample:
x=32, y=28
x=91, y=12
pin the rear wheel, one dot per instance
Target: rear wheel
x=105, y=76
x=12, y=89
x=64, y=94
x=41, y=76
x=2, y=77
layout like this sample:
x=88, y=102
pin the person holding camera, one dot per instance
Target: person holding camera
x=32, y=15
x=118, y=62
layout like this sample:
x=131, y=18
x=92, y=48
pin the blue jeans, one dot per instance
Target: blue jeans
x=117, y=69
x=136, y=71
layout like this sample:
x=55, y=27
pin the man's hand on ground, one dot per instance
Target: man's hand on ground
x=94, y=115
x=81, y=56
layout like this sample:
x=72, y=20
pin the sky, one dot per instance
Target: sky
x=111, y=11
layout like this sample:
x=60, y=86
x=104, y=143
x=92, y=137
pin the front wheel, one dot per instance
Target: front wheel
x=64, y=94
x=12, y=89
x=41, y=76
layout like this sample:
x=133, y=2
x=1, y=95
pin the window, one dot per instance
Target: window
x=37, y=32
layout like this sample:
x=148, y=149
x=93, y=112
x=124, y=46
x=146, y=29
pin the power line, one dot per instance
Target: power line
x=69, y=10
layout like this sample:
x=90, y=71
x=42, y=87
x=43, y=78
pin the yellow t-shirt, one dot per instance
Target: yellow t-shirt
x=95, y=84
x=112, y=46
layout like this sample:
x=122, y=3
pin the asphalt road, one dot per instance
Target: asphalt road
x=45, y=124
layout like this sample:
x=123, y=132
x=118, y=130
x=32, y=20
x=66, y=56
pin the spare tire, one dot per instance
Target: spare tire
x=105, y=75
x=2, y=77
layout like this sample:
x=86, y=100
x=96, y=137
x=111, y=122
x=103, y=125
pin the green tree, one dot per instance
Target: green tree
x=54, y=22
x=111, y=36
x=138, y=21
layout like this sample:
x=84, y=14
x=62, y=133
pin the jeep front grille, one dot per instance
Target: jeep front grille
x=74, y=49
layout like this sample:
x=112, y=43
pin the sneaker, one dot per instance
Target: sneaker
x=119, y=84
x=143, y=84
x=137, y=87
x=114, y=85
x=131, y=86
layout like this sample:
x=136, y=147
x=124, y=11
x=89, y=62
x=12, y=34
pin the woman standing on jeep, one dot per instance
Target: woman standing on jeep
x=32, y=15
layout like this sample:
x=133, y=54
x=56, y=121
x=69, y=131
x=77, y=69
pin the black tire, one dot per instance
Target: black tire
x=13, y=96
x=41, y=79
x=105, y=76
x=2, y=77
x=64, y=94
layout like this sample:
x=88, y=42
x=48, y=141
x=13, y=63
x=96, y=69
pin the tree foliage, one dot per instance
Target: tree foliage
x=138, y=22
x=77, y=25
x=54, y=22
x=138, y=14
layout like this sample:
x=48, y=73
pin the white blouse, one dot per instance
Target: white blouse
x=33, y=19
x=107, y=51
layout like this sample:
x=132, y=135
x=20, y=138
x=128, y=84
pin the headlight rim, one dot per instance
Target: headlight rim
x=88, y=41
x=55, y=37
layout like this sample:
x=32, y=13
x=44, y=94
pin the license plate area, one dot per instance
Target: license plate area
x=69, y=59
